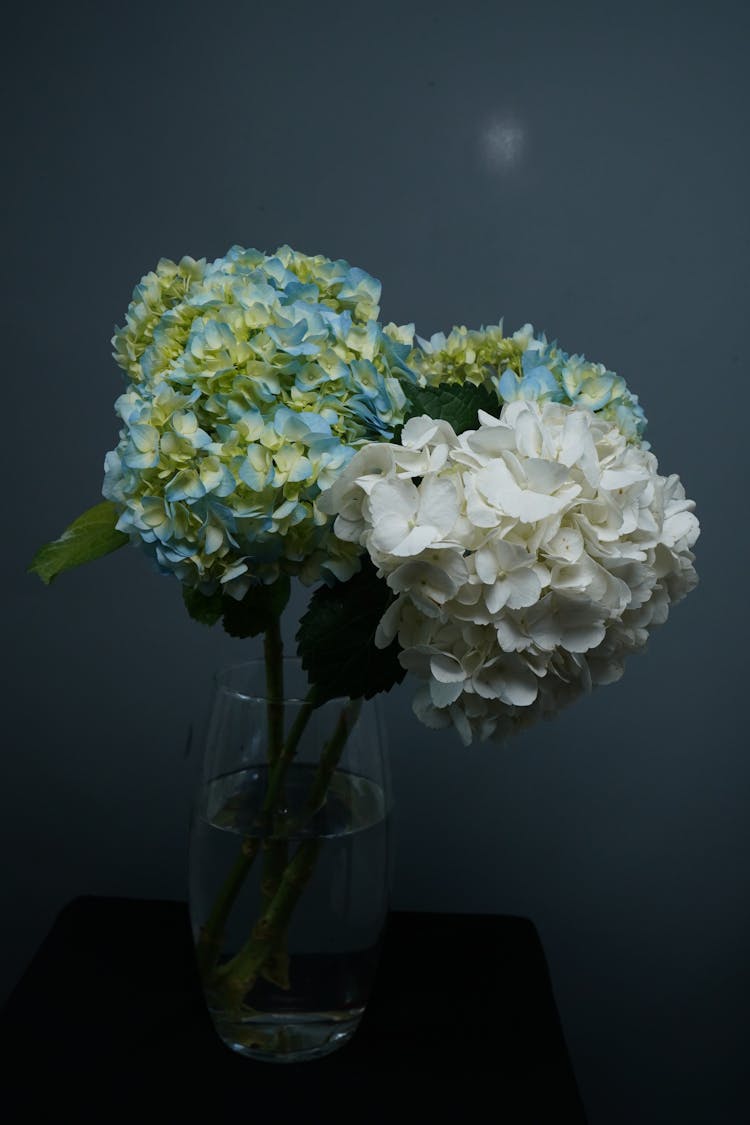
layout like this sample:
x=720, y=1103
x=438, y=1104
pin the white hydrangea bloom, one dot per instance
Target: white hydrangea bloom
x=527, y=557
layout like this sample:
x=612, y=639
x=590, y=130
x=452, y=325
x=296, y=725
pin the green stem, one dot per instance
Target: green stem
x=264, y=954
x=209, y=942
x=276, y=852
x=285, y=758
x=275, y=859
x=208, y=946
x=239, y=975
x=273, y=648
x=331, y=754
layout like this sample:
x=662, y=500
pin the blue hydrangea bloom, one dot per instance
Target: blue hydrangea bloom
x=526, y=366
x=252, y=381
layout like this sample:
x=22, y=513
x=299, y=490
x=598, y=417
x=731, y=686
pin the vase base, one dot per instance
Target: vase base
x=289, y=1037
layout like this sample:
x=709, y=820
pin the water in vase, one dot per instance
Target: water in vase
x=299, y=989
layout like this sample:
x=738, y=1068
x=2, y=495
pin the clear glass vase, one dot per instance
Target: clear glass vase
x=290, y=862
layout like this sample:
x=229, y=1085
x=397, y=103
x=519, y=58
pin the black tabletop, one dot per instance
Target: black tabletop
x=108, y=1023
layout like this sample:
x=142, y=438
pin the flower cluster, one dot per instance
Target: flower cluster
x=527, y=557
x=528, y=368
x=271, y=425
x=252, y=380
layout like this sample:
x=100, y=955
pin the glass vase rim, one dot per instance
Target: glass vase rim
x=221, y=675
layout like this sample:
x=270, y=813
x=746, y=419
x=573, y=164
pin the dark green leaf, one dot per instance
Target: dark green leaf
x=336, y=639
x=205, y=608
x=260, y=607
x=89, y=537
x=457, y=403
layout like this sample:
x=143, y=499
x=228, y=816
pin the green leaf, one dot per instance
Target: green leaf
x=205, y=608
x=260, y=607
x=89, y=537
x=336, y=639
x=457, y=403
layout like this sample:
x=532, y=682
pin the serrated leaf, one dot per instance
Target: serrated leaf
x=205, y=608
x=456, y=403
x=89, y=537
x=260, y=607
x=336, y=639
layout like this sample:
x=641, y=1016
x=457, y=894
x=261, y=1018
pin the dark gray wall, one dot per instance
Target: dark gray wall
x=583, y=166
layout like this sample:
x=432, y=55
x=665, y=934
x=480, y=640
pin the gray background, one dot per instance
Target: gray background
x=581, y=166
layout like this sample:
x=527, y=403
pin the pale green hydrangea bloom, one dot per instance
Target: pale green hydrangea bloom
x=252, y=381
x=526, y=367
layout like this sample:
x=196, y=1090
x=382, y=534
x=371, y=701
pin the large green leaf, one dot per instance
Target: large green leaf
x=89, y=537
x=259, y=609
x=457, y=403
x=205, y=608
x=336, y=639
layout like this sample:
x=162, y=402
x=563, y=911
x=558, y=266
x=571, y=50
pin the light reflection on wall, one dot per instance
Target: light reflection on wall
x=502, y=141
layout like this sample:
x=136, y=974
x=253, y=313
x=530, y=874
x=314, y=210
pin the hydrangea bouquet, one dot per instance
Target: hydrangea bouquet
x=480, y=510
x=488, y=500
